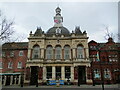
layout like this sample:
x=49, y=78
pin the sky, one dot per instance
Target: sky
x=93, y=17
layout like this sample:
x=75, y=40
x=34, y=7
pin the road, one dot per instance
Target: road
x=64, y=87
x=59, y=89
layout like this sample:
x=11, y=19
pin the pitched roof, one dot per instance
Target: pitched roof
x=15, y=45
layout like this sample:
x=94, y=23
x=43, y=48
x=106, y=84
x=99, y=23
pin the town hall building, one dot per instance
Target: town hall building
x=58, y=53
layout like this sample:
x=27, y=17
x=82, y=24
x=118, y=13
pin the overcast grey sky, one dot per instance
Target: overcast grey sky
x=90, y=16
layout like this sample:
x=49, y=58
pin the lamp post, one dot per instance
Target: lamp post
x=101, y=71
x=22, y=77
x=37, y=78
x=92, y=73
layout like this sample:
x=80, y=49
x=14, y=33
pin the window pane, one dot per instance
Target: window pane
x=58, y=52
x=10, y=64
x=20, y=53
x=96, y=73
x=19, y=64
x=80, y=52
x=36, y=52
x=1, y=65
x=67, y=52
x=58, y=72
x=12, y=54
x=67, y=72
x=49, y=71
x=49, y=52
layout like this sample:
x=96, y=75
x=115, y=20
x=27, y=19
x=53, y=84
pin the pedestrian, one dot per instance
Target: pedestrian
x=57, y=81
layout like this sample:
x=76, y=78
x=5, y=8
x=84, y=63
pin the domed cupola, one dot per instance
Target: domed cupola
x=58, y=28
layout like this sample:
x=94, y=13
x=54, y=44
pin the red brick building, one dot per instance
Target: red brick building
x=13, y=62
x=105, y=63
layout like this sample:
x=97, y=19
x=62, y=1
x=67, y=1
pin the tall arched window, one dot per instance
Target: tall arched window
x=67, y=52
x=80, y=52
x=36, y=52
x=49, y=52
x=58, y=52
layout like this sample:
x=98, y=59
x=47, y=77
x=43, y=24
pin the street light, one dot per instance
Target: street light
x=37, y=78
x=101, y=71
x=92, y=73
x=22, y=77
x=68, y=80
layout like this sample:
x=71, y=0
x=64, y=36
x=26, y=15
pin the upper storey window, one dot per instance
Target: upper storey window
x=66, y=52
x=12, y=54
x=58, y=31
x=3, y=54
x=58, y=52
x=80, y=52
x=49, y=52
x=36, y=52
x=20, y=53
x=92, y=47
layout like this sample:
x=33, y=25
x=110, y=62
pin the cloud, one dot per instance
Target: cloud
x=89, y=16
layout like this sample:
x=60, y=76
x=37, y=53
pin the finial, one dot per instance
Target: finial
x=58, y=10
x=38, y=27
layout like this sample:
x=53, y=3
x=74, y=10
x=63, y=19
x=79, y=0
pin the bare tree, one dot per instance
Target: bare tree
x=6, y=28
x=108, y=34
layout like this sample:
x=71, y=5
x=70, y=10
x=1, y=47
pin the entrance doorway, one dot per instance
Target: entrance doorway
x=81, y=75
x=34, y=75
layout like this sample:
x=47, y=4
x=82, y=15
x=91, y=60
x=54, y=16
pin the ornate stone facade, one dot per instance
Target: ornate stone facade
x=58, y=49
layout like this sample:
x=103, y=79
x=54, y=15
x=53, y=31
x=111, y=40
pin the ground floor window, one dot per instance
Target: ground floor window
x=58, y=71
x=107, y=73
x=67, y=72
x=49, y=72
x=96, y=73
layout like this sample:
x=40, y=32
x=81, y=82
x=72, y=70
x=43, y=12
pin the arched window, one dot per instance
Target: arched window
x=49, y=52
x=66, y=52
x=107, y=73
x=80, y=52
x=36, y=52
x=58, y=52
x=97, y=74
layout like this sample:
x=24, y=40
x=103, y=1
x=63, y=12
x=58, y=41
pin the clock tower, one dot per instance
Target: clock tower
x=58, y=19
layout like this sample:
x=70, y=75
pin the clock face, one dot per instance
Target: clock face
x=58, y=21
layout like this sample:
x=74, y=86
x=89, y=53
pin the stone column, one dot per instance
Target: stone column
x=53, y=73
x=19, y=80
x=11, y=80
x=87, y=53
x=72, y=73
x=0, y=80
x=15, y=80
x=29, y=53
x=84, y=54
x=5, y=78
x=74, y=53
x=42, y=53
x=63, y=72
x=62, y=54
x=44, y=72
